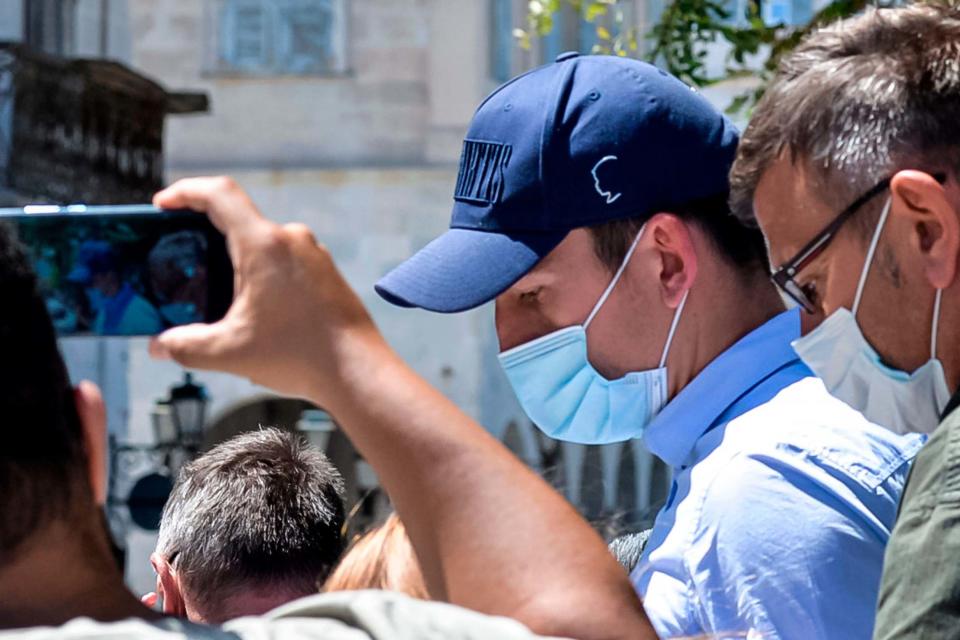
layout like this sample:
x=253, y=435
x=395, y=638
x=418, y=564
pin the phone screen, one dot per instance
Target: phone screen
x=125, y=270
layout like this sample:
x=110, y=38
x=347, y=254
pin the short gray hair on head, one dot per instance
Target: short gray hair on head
x=857, y=101
x=628, y=549
x=263, y=509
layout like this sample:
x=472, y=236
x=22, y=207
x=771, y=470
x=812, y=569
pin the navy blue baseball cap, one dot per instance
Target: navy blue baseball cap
x=582, y=141
x=93, y=257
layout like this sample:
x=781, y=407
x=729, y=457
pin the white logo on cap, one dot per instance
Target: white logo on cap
x=609, y=195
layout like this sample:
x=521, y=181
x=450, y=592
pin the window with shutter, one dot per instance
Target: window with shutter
x=280, y=37
x=305, y=38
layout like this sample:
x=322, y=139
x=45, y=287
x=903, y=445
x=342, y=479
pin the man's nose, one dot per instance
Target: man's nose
x=810, y=321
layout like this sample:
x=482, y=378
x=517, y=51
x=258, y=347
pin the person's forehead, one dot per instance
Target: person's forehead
x=788, y=208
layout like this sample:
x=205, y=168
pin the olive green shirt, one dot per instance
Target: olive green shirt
x=920, y=587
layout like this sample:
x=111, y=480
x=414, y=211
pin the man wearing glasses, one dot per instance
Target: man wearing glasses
x=850, y=165
x=629, y=304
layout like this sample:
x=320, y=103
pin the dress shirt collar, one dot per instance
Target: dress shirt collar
x=673, y=434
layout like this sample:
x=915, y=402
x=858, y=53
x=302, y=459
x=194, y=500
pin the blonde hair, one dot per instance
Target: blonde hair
x=382, y=558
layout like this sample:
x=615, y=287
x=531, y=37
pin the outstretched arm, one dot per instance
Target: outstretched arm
x=489, y=533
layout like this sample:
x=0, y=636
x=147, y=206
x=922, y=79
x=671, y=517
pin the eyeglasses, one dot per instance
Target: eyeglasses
x=784, y=277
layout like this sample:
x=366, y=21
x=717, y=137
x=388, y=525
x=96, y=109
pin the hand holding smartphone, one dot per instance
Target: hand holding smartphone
x=125, y=270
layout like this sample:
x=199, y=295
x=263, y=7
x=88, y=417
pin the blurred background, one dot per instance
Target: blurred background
x=348, y=116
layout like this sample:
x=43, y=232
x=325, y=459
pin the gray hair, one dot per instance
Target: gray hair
x=628, y=549
x=263, y=509
x=857, y=101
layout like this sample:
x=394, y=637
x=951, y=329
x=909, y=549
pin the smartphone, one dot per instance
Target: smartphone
x=126, y=270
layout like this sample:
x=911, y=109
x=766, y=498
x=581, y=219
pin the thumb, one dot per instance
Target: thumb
x=197, y=346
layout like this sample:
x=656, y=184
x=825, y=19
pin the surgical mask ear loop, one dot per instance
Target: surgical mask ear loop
x=616, y=278
x=936, y=324
x=613, y=283
x=869, y=259
x=673, y=328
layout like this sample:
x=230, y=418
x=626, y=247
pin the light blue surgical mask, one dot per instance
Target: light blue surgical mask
x=178, y=313
x=567, y=399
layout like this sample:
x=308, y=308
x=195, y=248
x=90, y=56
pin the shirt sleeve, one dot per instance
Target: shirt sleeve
x=376, y=615
x=783, y=556
x=140, y=318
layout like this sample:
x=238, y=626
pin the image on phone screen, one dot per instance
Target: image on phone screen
x=116, y=271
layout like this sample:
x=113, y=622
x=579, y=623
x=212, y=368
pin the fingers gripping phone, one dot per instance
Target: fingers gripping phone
x=125, y=270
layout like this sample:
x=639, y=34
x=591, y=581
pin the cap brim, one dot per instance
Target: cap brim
x=464, y=268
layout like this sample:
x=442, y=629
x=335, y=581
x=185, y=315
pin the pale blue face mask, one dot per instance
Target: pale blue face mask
x=567, y=399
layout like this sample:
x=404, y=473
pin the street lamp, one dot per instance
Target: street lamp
x=178, y=422
x=188, y=407
x=164, y=427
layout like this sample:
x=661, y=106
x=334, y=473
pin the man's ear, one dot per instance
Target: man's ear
x=678, y=257
x=168, y=587
x=924, y=202
x=93, y=421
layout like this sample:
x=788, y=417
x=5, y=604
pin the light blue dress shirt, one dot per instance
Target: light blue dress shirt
x=782, y=501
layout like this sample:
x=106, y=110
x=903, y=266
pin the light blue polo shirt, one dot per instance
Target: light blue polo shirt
x=782, y=501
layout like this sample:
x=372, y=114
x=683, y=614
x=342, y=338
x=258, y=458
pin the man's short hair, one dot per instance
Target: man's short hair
x=262, y=510
x=740, y=245
x=43, y=466
x=857, y=101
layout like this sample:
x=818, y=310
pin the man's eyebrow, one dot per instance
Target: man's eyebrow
x=533, y=281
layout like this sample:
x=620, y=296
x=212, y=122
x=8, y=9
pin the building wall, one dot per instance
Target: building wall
x=414, y=68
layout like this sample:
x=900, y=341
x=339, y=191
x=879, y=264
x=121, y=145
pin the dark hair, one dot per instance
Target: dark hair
x=42, y=461
x=858, y=100
x=741, y=245
x=262, y=510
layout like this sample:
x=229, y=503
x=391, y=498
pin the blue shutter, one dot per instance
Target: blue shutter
x=802, y=12
x=552, y=43
x=588, y=36
x=788, y=12
x=280, y=36
x=501, y=40
x=304, y=36
x=777, y=12
x=244, y=29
